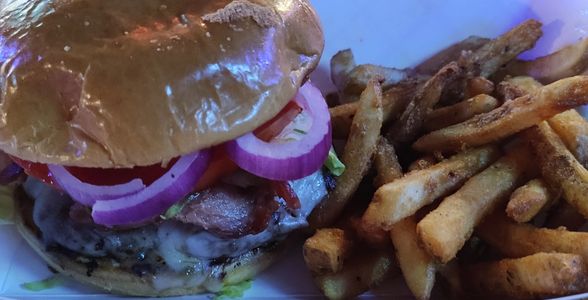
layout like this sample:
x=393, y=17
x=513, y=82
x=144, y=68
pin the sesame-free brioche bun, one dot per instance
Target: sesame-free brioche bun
x=123, y=83
x=106, y=276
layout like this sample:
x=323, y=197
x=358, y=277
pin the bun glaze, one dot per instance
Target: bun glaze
x=115, y=83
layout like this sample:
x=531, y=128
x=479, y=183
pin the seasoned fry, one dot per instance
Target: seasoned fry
x=528, y=200
x=457, y=113
x=341, y=65
x=325, y=251
x=515, y=87
x=401, y=198
x=360, y=273
x=394, y=101
x=541, y=275
x=410, y=123
x=512, y=117
x=559, y=167
x=490, y=57
x=376, y=238
x=449, y=54
x=568, y=61
x=386, y=163
x=478, y=86
x=418, y=268
x=363, y=138
x=359, y=77
x=422, y=163
x=572, y=128
x=565, y=215
x=445, y=230
x=520, y=239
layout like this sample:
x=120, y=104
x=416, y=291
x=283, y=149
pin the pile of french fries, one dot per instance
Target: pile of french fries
x=469, y=168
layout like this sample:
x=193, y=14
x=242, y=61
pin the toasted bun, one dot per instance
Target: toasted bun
x=115, y=83
x=117, y=281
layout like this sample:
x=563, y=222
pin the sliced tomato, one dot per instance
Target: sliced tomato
x=220, y=166
x=285, y=191
x=273, y=127
x=37, y=170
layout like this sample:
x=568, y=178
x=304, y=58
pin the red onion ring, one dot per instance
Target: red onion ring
x=87, y=194
x=153, y=200
x=292, y=160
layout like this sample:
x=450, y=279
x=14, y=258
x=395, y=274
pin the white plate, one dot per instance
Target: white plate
x=393, y=33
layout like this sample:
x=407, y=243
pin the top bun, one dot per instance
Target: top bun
x=123, y=83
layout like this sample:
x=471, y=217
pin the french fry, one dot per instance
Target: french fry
x=478, y=86
x=410, y=123
x=444, y=231
x=449, y=54
x=572, y=128
x=376, y=238
x=359, y=77
x=401, y=198
x=418, y=268
x=422, y=163
x=540, y=275
x=363, y=138
x=494, y=54
x=559, y=167
x=528, y=200
x=387, y=167
x=515, y=87
x=360, y=273
x=512, y=117
x=457, y=113
x=341, y=65
x=326, y=250
x=394, y=100
x=520, y=239
x=568, y=61
x=565, y=215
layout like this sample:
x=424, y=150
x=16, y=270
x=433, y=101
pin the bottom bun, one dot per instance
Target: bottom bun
x=106, y=276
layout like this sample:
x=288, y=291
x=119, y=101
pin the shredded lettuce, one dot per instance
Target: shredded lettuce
x=233, y=291
x=6, y=204
x=173, y=210
x=334, y=164
x=47, y=283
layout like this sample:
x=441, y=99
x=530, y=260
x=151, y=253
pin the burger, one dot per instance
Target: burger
x=169, y=146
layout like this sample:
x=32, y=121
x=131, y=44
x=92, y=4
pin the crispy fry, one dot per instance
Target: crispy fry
x=512, y=117
x=394, y=101
x=520, y=239
x=341, y=65
x=445, y=230
x=565, y=215
x=478, y=86
x=418, y=268
x=386, y=163
x=568, y=61
x=325, y=251
x=363, y=138
x=528, y=200
x=376, y=238
x=360, y=273
x=410, y=123
x=457, y=113
x=572, y=128
x=359, y=77
x=559, y=167
x=515, y=87
x=541, y=275
x=422, y=163
x=490, y=57
x=449, y=54
x=401, y=198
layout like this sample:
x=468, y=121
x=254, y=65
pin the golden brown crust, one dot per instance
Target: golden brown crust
x=114, y=84
x=117, y=281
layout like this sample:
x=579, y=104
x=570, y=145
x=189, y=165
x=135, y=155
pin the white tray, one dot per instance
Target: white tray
x=393, y=33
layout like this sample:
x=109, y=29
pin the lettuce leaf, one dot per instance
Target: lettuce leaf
x=335, y=166
x=233, y=291
x=45, y=284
